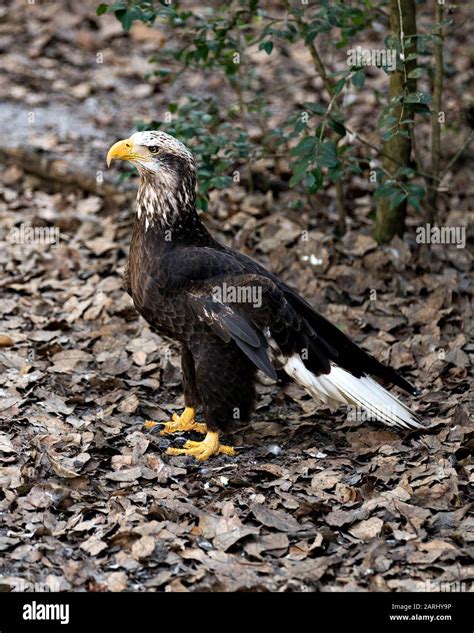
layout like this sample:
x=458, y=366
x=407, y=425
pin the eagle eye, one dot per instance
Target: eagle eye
x=153, y=149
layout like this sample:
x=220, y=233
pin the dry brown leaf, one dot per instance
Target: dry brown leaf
x=367, y=530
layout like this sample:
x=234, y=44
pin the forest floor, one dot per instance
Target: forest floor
x=314, y=500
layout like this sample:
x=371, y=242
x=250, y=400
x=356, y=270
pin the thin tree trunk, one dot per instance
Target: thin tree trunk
x=432, y=197
x=390, y=222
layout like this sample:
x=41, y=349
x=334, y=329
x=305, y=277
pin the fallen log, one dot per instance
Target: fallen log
x=54, y=168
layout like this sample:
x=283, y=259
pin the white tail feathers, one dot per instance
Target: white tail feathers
x=341, y=387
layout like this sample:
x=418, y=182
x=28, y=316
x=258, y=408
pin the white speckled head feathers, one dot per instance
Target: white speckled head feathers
x=163, y=142
x=167, y=191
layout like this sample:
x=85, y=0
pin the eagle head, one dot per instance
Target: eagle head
x=153, y=152
x=166, y=194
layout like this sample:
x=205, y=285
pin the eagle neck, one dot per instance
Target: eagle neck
x=168, y=207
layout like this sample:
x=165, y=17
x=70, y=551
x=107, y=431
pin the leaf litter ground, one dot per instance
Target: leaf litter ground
x=314, y=500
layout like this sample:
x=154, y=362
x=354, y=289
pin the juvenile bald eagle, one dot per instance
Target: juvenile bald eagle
x=230, y=315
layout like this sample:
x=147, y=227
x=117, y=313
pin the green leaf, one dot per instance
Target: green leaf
x=337, y=127
x=418, y=97
x=416, y=190
x=299, y=172
x=120, y=5
x=201, y=203
x=310, y=37
x=317, y=108
x=126, y=19
x=160, y=72
x=419, y=108
x=327, y=155
x=102, y=8
x=386, y=120
x=397, y=199
x=299, y=127
x=385, y=191
x=305, y=146
x=266, y=46
x=335, y=174
x=220, y=182
x=405, y=171
x=310, y=180
x=358, y=79
x=416, y=73
x=202, y=49
x=339, y=86
x=414, y=201
x=316, y=183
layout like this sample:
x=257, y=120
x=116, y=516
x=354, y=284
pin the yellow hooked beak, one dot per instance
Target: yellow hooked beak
x=122, y=150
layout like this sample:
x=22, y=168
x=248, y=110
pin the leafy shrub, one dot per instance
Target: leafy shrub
x=315, y=137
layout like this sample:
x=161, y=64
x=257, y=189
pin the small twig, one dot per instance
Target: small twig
x=341, y=210
x=416, y=153
x=380, y=152
x=402, y=49
x=402, y=41
x=315, y=56
x=277, y=89
x=381, y=11
x=457, y=155
x=319, y=66
x=326, y=115
x=458, y=26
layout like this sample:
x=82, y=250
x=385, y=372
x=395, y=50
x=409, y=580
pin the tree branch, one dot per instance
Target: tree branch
x=328, y=85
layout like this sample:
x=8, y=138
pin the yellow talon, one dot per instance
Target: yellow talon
x=183, y=422
x=209, y=446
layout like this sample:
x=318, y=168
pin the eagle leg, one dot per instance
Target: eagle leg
x=184, y=422
x=209, y=446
